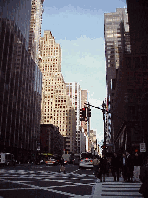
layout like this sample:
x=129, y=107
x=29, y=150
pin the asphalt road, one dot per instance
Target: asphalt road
x=40, y=181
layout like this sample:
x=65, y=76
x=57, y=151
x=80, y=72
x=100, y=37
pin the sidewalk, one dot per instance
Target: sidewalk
x=111, y=189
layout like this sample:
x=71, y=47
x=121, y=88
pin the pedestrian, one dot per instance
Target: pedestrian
x=137, y=164
x=144, y=178
x=62, y=167
x=129, y=167
x=103, y=168
x=108, y=167
x=95, y=166
x=62, y=161
x=115, y=165
x=123, y=166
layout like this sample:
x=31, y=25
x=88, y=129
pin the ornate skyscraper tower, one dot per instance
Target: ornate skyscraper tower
x=56, y=104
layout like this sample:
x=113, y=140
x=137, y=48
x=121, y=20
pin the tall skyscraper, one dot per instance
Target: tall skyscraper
x=20, y=80
x=35, y=29
x=73, y=90
x=117, y=41
x=128, y=92
x=56, y=105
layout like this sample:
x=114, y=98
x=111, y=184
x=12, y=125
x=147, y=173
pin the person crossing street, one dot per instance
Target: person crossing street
x=115, y=164
x=96, y=163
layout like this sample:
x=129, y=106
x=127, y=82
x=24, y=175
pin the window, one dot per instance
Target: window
x=110, y=35
x=144, y=61
x=128, y=62
x=136, y=61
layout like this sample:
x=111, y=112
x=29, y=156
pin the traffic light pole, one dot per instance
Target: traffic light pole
x=104, y=110
x=88, y=118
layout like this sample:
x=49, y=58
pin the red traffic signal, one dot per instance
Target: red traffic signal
x=83, y=114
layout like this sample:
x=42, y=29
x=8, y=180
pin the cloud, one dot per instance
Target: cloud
x=83, y=53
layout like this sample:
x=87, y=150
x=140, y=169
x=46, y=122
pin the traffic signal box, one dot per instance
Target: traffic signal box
x=83, y=114
x=88, y=112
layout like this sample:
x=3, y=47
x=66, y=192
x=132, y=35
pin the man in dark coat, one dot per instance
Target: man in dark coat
x=129, y=166
x=144, y=179
x=123, y=167
x=95, y=166
x=103, y=168
x=115, y=165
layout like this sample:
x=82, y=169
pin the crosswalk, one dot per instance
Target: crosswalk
x=63, y=185
x=110, y=189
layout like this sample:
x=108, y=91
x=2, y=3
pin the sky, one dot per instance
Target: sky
x=78, y=26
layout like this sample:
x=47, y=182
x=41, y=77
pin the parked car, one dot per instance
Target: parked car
x=51, y=161
x=86, y=163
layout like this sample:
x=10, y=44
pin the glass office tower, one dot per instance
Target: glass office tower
x=20, y=82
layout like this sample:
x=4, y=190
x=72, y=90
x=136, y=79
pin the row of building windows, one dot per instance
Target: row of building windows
x=136, y=62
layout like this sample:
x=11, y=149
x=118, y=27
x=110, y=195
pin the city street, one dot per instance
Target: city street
x=40, y=181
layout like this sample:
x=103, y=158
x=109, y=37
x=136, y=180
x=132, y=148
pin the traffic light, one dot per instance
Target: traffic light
x=82, y=114
x=88, y=112
x=104, y=147
x=81, y=117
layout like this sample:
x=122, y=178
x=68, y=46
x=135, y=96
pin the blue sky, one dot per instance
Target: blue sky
x=78, y=26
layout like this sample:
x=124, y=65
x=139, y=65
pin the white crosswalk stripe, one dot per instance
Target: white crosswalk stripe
x=110, y=189
x=26, y=178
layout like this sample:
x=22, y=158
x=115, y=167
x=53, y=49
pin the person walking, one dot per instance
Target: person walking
x=62, y=167
x=123, y=166
x=95, y=166
x=129, y=167
x=137, y=164
x=115, y=165
x=103, y=168
x=144, y=178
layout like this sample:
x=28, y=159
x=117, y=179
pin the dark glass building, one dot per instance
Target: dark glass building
x=20, y=83
x=129, y=90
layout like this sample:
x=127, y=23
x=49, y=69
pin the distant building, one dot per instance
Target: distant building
x=85, y=124
x=35, y=29
x=92, y=141
x=83, y=101
x=56, y=107
x=73, y=90
x=51, y=141
x=20, y=81
x=83, y=139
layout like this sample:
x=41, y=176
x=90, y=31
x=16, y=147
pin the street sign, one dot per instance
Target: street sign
x=142, y=147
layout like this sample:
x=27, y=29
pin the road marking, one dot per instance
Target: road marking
x=46, y=176
x=17, y=189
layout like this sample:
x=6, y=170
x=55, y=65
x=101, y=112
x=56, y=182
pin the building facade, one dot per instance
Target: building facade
x=129, y=87
x=56, y=105
x=51, y=141
x=133, y=130
x=35, y=29
x=92, y=142
x=73, y=90
x=117, y=40
x=20, y=80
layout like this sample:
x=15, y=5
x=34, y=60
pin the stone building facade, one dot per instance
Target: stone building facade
x=56, y=107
